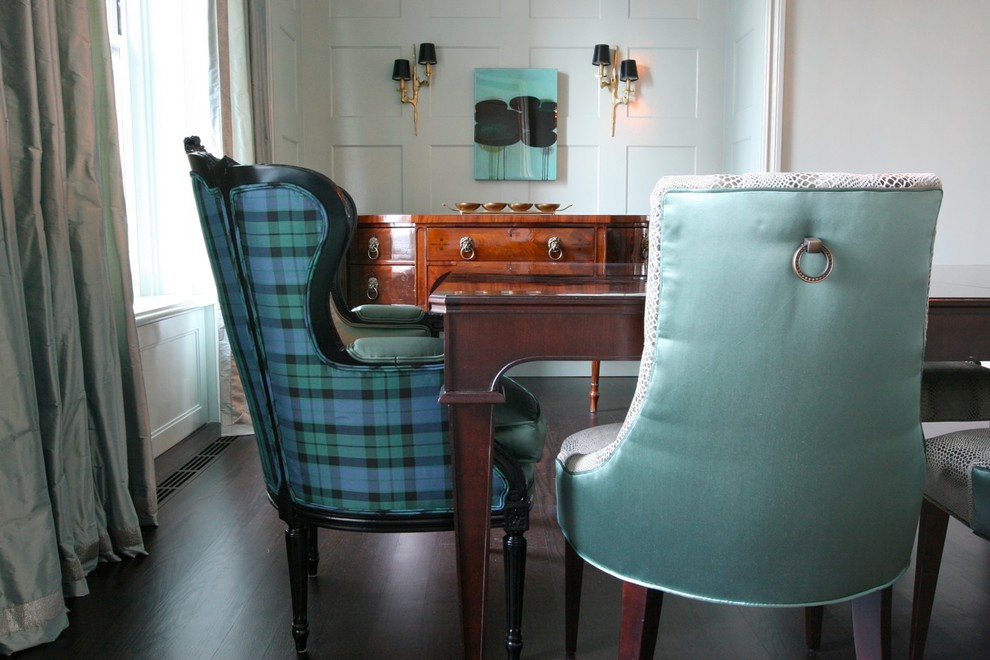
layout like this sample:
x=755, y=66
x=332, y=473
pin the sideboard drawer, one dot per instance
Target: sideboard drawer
x=530, y=244
x=434, y=273
x=383, y=244
x=386, y=285
x=398, y=258
x=626, y=245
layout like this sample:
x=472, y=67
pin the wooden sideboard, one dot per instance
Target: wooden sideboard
x=398, y=258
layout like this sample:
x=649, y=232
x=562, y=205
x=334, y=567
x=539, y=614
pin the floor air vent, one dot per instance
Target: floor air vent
x=175, y=481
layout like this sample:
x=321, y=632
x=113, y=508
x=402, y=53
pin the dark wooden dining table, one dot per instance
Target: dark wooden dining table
x=494, y=320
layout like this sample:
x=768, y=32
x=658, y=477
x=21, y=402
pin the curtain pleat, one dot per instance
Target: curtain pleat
x=106, y=165
x=32, y=609
x=240, y=110
x=77, y=476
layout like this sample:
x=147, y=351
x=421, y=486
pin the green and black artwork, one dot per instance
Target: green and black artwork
x=515, y=124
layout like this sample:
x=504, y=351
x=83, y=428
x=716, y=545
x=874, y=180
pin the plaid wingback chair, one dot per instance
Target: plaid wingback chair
x=351, y=436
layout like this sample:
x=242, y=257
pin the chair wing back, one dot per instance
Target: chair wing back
x=344, y=442
x=773, y=452
x=336, y=436
x=247, y=353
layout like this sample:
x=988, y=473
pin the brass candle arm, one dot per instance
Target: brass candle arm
x=611, y=83
x=416, y=84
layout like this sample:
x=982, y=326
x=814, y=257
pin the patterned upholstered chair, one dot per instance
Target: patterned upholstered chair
x=772, y=454
x=351, y=436
x=957, y=477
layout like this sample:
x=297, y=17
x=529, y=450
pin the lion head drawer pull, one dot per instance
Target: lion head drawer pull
x=373, y=248
x=555, y=248
x=372, y=291
x=467, y=248
x=813, y=245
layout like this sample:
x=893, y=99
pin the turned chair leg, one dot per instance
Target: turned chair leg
x=931, y=540
x=871, y=625
x=573, y=578
x=813, y=617
x=296, y=549
x=514, y=547
x=313, y=553
x=640, y=621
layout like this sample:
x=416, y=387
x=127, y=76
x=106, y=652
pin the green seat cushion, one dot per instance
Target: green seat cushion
x=981, y=501
x=520, y=428
x=397, y=350
x=389, y=313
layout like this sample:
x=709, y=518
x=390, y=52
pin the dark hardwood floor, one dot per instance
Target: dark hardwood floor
x=215, y=586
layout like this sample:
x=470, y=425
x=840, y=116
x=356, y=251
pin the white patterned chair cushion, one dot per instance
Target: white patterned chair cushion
x=951, y=461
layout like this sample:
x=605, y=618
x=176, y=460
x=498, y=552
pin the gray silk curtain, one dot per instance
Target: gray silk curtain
x=76, y=472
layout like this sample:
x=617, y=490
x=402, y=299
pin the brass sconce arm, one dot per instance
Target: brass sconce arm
x=403, y=72
x=621, y=72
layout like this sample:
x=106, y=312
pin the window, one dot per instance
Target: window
x=161, y=64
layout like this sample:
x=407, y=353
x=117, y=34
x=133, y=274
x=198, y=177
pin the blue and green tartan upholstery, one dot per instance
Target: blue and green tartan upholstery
x=354, y=438
x=214, y=221
x=345, y=442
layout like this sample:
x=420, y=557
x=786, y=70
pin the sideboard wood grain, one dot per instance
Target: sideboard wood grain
x=398, y=258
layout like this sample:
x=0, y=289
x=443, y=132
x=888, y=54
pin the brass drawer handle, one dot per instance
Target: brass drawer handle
x=813, y=245
x=372, y=291
x=467, y=248
x=644, y=250
x=555, y=248
x=373, y=250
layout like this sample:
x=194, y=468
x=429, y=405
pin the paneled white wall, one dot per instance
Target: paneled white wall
x=287, y=75
x=896, y=85
x=178, y=346
x=697, y=107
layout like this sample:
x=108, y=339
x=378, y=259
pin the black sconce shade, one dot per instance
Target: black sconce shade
x=603, y=55
x=401, y=71
x=627, y=70
x=427, y=54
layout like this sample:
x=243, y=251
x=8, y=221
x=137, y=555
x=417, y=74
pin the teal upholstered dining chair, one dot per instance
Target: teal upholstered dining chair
x=351, y=435
x=773, y=452
x=957, y=476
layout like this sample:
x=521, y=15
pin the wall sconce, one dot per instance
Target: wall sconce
x=401, y=71
x=626, y=73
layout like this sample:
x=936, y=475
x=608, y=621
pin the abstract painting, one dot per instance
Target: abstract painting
x=515, y=124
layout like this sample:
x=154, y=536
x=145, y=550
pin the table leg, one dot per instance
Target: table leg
x=471, y=455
